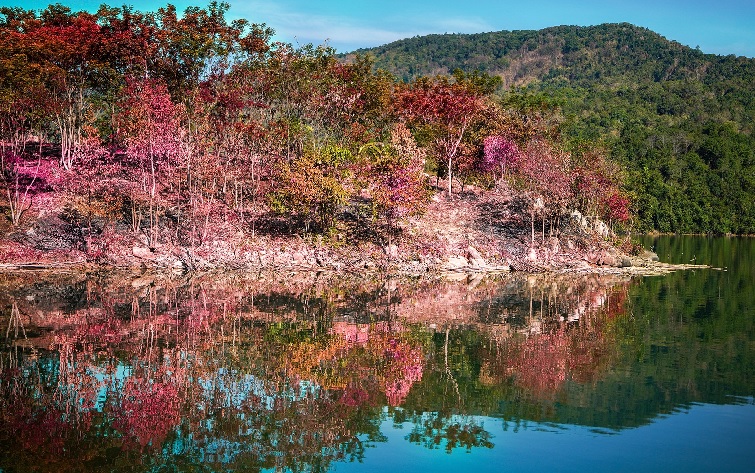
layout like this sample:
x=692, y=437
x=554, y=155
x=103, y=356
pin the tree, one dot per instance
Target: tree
x=22, y=181
x=500, y=152
x=545, y=175
x=443, y=111
x=314, y=185
x=63, y=44
x=394, y=176
x=149, y=123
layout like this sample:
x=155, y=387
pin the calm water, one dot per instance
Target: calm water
x=308, y=372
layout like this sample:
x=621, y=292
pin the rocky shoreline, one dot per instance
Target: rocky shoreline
x=329, y=260
x=472, y=232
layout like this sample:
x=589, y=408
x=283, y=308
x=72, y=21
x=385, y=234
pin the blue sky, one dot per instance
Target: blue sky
x=718, y=27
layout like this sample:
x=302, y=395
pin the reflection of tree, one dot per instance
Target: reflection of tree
x=361, y=361
x=250, y=373
x=540, y=362
x=434, y=430
x=543, y=362
x=146, y=410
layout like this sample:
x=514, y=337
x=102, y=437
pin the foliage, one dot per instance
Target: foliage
x=443, y=111
x=314, y=186
x=394, y=176
x=677, y=120
x=187, y=128
x=500, y=152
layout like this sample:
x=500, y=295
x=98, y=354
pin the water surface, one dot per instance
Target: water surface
x=313, y=372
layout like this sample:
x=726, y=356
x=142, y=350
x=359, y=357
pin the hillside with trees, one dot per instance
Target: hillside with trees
x=189, y=141
x=678, y=121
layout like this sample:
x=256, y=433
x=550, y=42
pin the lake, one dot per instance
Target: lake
x=319, y=372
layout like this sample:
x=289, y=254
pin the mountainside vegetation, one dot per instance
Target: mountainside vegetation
x=190, y=141
x=679, y=122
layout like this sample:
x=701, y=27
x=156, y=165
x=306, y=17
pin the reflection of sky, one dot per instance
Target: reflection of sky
x=704, y=438
x=107, y=382
x=229, y=389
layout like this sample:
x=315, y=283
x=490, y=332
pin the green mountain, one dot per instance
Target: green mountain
x=678, y=120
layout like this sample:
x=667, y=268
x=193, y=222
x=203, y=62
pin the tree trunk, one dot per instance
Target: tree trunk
x=449, y=176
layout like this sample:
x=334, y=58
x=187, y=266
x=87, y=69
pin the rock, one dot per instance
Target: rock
x=649, y=255
x=456, y=262
x=626, y=262
x=187, y=261
x=391, y=251
x=476, y=260
x=298, y=259
x=532, y=255
x=141, y=282
x=48, y=234
x=143, y=253
x=607, y=259
x=601, y=228
x=179, y=265
x=554, y=245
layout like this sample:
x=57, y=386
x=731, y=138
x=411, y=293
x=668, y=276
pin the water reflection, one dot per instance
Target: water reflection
x=297, y=371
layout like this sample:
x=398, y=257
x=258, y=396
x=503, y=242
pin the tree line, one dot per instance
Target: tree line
x=180, y=127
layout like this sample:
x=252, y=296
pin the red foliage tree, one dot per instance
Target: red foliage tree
x=445, y=111
x=148, y=411
x=149, y=125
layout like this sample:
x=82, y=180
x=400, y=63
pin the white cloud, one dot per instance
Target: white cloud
x=345, y=33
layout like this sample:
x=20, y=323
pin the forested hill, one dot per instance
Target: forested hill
x=577, y=55
x=679, y=121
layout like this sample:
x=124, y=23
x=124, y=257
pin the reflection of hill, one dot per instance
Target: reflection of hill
x=250, y=372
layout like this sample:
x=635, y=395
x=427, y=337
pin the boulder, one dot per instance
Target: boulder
x=456, y=262
x=605, y=258
x=649, y=255
x=531, y=255
x=476, y=260
x=391, y=251
x=143, y=253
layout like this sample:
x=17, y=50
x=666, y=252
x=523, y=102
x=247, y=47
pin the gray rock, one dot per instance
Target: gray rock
x=391, y=251
x=456, y=262
x=143, y=253
x=649, y=255
x=476, y=260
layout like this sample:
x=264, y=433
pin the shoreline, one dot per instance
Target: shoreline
x=640, y=267
x=472, y=232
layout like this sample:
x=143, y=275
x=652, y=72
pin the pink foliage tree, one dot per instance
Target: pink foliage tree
x=21, y=180
x=405, y=367
x=548, y=180
x=149, y=123
x=500, y=153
